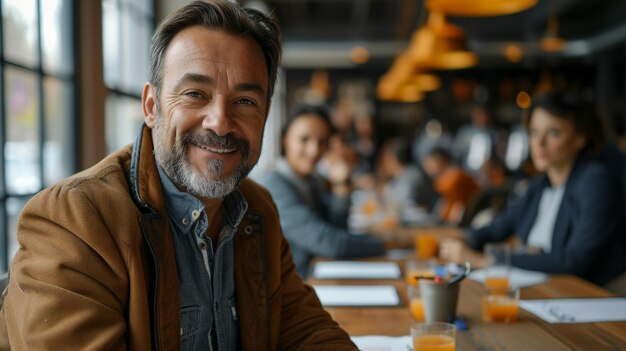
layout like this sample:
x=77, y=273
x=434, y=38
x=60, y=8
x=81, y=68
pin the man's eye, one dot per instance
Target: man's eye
x=244, y=101
x=193, y=94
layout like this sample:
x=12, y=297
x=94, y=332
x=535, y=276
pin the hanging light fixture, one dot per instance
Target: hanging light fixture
x=402, y=67
x=513, y=52
x=319, y=87
x=390, y=90
x=404, y=80
x=551, y=42
x=408, y=93
x=479, y=7
x=426, y=82
x=390, y=83
x=386, y=87
x=440, y=45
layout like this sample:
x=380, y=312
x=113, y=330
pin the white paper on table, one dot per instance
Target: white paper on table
x=355, y=270
x=383, y=343
x=587, y=310
x=518, y=278
x=357, y=295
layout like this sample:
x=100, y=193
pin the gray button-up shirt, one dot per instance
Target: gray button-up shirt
x=208, y=315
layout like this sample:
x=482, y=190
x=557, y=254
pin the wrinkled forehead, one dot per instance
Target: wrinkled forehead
x=210, y=51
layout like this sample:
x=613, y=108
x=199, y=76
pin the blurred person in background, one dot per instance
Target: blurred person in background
x=341, y=151
x=364, y=142
x=314, y=211
x=492, y=197
x=403, y=182
x=475, y=142
x=571, y=217
x=433, y=134
x=455, y=187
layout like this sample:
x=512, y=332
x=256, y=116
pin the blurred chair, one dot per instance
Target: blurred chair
x=484, y=206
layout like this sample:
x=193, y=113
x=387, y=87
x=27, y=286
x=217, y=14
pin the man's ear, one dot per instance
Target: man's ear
x=148, y=103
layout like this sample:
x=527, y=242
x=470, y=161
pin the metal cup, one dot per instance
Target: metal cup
x=439, y=300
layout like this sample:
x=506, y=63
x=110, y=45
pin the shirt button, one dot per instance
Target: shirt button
x=185, y=221
x=195, y=214
x=202, y=245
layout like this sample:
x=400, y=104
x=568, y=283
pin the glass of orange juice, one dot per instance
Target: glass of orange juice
x=498, y=270
x=426, y=245
x=434, y=336
x=416, y=268
x=416, y=306
x=501, y=307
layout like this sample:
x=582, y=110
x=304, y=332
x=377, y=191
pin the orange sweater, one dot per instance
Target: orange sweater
x=456, y=188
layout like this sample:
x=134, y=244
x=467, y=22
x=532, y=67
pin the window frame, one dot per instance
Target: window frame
x=41, y=74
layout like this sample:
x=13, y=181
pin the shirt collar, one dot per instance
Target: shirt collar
x=184, y=209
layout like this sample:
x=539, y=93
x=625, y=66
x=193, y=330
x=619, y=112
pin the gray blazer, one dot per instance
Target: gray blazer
x=313, y=221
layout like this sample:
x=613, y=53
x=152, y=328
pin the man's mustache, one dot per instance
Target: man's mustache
x=209, y=138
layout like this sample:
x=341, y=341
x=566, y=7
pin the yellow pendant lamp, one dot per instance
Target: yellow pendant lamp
x=426, y=82
x=396, y=84
x=470, y=8
x=551, y=42
x=408, y=93
x=404, y=82
x=389, y=90
x=441, y=45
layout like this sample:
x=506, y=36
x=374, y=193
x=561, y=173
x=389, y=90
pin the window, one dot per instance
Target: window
x=37, y=106
x=127, y=31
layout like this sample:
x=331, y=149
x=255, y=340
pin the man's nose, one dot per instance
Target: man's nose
x=217, y=117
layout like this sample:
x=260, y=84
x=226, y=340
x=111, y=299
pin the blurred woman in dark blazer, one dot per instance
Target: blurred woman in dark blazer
x=572, y=217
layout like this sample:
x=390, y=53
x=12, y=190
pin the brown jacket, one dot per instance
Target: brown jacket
x=96, y=269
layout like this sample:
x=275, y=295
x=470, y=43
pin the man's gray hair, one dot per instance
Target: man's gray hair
x=223, y=15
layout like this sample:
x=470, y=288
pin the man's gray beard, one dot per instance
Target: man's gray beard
x=174, y=161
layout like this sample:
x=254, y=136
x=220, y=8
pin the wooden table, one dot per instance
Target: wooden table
x=529, y=333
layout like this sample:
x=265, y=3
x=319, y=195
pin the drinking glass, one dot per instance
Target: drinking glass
x=417, y=268
x=498, y=269
x=426, y=245
x=416, y=306
x=433, y=336
x=501, y=307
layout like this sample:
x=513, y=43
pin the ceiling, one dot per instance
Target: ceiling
x=322, y=33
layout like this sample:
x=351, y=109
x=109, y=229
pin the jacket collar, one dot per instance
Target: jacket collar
x=145, y=188
x=573, y=174
x=146, y=191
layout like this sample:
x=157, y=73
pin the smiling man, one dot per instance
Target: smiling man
x=165, y=244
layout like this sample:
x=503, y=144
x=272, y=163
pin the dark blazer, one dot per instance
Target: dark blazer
x=589, y=238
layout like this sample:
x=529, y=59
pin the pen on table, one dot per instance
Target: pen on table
x=557, y=312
